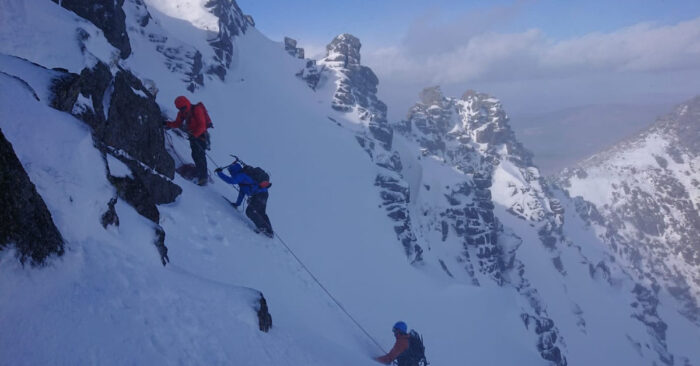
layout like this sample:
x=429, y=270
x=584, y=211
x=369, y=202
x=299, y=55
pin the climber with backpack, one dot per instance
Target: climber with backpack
x=196, y=120
x=253, y=182
x=408, y=349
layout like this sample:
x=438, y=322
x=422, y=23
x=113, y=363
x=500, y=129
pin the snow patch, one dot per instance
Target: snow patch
x=117, y=168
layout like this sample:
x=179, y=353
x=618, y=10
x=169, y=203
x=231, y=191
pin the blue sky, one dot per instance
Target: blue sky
x=532, y=54
x=382, y=22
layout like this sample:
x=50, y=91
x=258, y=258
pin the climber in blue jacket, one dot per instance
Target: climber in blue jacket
x=257, y=191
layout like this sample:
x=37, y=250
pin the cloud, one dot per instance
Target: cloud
x=643, y=47
x=427, y=55
x=431, y=33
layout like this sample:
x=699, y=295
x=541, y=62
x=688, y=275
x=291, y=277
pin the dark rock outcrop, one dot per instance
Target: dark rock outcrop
x=344, y=49
x=130, y=129
x=264, y=317
x=311, y=73
x=547, y=338
x=646, y=312
x=107, y=15
x=126, y=124
x=110, y=216
x=160, y=245
x=25, y=221
x=290, y=45
x=232, y=22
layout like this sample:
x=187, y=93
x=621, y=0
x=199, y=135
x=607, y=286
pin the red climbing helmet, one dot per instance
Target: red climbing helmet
x=182, y=102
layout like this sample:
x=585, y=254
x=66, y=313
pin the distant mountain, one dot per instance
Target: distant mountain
x=560, y=138
x=643, y=198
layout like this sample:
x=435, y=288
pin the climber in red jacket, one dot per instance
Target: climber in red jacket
x=196, y=120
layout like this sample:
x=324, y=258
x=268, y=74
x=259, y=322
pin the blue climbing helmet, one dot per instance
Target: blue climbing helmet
x=401, y=327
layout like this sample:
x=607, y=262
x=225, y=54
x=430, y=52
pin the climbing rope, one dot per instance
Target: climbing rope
x=172, y=147
x=328, y=292
x=301, y=263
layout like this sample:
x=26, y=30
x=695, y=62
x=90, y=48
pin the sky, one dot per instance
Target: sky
x=537, y=56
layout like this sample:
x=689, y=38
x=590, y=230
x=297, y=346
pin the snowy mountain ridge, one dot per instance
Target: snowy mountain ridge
x=440, y=220
x=356, y=92
x=471, y=136
x=646, y=202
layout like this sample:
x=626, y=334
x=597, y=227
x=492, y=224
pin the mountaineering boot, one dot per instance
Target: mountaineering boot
x=202, y=181
x=269, y=234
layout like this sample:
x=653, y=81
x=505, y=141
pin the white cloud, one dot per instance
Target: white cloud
x=490, y=56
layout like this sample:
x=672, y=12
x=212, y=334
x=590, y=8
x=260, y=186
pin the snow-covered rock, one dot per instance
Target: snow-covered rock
x=465, y=160
x=106, y=15
x=643, y=198
x=25, y=222
x=355, y=93
x=290, y=45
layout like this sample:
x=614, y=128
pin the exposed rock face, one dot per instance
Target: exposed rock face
x=290, y=45
x=25, y=221
x=344, y=50
x=178, y=57
x=185, y=59
x=357, y=86
x=468, y=211
x=469, y=143
x=107, y=15
x=645, y=306
x=130, y=129
x=311, y=73
x=643, y=196
x=264, y=317
x=544, y=328
x=134, y=124
x=357, y=91
x=110, y=216
x=232, y=22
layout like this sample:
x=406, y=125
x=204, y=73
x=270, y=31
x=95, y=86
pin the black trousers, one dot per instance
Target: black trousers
x=198, y=146
x=257, y=204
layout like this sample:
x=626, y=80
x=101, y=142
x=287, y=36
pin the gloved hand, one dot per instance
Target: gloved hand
x=165, y=125
x=163, y=251
x=218, y=170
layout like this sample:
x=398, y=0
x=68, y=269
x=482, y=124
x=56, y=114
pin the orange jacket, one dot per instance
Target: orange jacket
x=401, y=345
x=196, y=120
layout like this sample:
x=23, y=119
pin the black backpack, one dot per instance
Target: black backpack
x=415, y=354
x=259, y=176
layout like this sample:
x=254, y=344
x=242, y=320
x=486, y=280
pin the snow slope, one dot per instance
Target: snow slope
x=110, y=298
x=510, y=274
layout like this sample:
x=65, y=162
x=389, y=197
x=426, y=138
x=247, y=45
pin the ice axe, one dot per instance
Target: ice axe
x=236, y=160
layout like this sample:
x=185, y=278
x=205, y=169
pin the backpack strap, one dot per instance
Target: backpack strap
x=206, y=114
